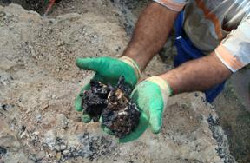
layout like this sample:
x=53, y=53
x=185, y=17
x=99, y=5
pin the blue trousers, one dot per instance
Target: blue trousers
x=187, y=51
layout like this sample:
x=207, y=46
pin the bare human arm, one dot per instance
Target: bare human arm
x=151, y=33
x=197, y=75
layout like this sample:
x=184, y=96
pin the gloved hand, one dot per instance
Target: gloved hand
x=150, y=96
x=107, y=70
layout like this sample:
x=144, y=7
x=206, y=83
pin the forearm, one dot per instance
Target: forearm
x=150, y=33
x=197, y=75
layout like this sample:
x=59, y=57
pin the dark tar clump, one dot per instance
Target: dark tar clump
x=118, y=113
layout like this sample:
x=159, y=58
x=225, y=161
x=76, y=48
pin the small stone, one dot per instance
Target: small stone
x=40, y=155
x=39, y=118
x=59, y=43
x=57, y=147
x=66, y=67
x=66, y=152
x=118, y=48
x=52, y=154
x=184, y=106
x=58, y=156
x=63, y=147
x=32, y=157
x=45, y=106
x=62, y=121
x=6, y=106
x=53, y=96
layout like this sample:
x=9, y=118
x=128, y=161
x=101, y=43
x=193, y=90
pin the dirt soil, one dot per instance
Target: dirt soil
x=39, y=82
x=235, y=117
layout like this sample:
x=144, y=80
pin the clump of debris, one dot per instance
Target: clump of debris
x=118, y=112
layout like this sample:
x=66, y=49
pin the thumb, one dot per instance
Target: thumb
x=78, y=102
x=155, y=120
x=89, y=63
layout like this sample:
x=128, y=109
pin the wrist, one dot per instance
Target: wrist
x=133, y=64
x=140, y=57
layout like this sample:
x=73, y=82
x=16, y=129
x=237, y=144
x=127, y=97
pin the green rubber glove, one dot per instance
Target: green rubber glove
x=150, y=96
x=107, y=70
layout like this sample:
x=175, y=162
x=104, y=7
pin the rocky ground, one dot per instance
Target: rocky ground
x=39, y=81
x=235, y=118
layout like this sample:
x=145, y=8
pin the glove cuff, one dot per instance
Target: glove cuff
x=133, y=64
x=163, y=84
x=166, y=91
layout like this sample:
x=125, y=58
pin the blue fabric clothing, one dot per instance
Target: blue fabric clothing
x=187, y=51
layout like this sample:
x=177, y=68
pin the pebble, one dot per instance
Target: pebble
x=66, y=152
x=57, y=147
x=6, y=106
x=66, y=67
x=32, y=157
x=53, y=96
x=58, y=156
x=40, y=155
x=63, y=147
x=39, y=118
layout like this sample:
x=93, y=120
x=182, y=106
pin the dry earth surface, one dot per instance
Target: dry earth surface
x=39, y=81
